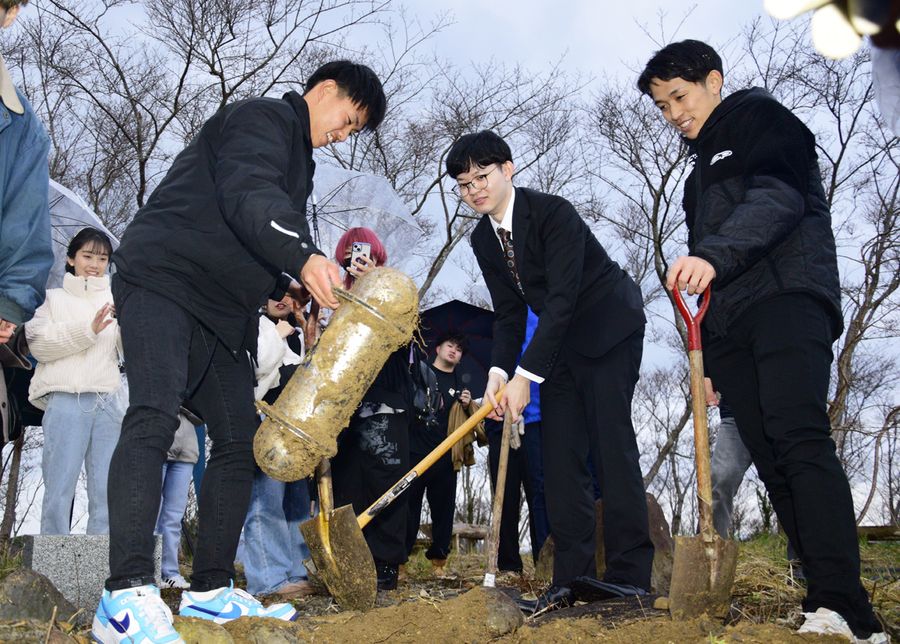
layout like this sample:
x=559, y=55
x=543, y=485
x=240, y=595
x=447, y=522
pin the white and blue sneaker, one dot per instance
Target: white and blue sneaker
x=135, y=615
x=225, y=604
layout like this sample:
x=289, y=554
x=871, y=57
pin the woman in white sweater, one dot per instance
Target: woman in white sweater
x=75, y=340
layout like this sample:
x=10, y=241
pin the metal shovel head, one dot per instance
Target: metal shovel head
x=342, y=558
x=702, y=576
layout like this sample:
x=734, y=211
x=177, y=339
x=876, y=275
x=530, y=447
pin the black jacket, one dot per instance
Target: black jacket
x=756, y=209
x=228, y=218
x=583, y=299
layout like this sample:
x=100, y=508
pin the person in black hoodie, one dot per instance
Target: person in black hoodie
x=225, y=228
x=759, y=232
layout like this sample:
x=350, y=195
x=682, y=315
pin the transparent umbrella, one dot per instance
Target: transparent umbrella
x=68, y=214
x=344, y=199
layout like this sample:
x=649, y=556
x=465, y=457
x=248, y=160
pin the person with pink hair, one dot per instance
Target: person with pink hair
x=373, y=452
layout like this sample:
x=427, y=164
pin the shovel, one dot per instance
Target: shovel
x=341, y=558
x=703, y=569
x=400, y=486
x=337, y=547
x=493, y=544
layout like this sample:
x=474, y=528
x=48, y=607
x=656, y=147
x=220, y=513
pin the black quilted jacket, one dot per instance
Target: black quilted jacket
x=756, y=210
x=228, y=218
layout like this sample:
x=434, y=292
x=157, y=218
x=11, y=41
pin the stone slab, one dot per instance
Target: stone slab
x=77, y=564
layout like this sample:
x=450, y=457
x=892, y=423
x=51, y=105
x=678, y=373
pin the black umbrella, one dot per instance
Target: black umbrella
x=476, y=324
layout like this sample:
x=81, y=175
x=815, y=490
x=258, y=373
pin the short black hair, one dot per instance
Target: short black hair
x=478, y=149
x=88, y=236
x=691, y=60
x=455, y=337
x=358, y=82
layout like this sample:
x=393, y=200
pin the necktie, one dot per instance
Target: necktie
x=509, y=255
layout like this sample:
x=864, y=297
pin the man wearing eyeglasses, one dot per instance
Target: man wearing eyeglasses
x=535, y=251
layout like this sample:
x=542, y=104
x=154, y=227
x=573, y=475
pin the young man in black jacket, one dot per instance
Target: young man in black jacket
x=760, y=233
x=214, y=240
x=534, y=250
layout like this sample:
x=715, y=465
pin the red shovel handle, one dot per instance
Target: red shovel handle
x=693, y=321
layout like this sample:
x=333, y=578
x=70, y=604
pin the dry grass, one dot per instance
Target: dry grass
x=766, y=591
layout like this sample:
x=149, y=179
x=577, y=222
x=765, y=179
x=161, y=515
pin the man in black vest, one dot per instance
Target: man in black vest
x=535, y=251
x=439, y=481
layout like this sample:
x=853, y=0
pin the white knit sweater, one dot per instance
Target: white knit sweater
x=71, y=357
x=272, y=351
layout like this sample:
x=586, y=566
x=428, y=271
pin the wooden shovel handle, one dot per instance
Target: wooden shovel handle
x=493, y=545
x=701, y=446
x=326, y=502
x=401, y=485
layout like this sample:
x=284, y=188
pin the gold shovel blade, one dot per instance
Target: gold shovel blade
x=702, y=577
x=342, y=558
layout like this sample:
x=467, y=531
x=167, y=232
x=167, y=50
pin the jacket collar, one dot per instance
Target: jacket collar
x=729, y=104
x=8, y=91
x=84, y=286
x=302, y=109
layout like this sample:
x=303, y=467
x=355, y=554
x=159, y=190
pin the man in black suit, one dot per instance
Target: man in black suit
x=535, y=250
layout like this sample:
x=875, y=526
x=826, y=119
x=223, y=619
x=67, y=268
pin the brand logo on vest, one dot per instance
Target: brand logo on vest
x=718, y=156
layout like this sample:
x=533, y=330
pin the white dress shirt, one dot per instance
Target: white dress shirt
x=507, y=224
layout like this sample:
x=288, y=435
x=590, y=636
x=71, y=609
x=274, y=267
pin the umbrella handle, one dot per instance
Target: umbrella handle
x=693, y=321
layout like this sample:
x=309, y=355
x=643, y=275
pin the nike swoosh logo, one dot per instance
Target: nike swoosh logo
x=122, y=626
x=235, y=612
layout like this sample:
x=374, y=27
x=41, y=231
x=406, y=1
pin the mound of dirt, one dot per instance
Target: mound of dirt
x=479, y=615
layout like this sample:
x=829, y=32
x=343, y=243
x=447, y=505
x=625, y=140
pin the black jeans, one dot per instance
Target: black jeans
x=773, y=369
x=517, y=477
x=373, y=454
x=439, y=484
x=586, y=413
x=168, y=352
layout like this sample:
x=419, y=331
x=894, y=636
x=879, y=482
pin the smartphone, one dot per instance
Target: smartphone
x=360, y=249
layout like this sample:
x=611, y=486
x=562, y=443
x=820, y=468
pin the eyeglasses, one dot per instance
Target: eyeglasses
x=477, y=183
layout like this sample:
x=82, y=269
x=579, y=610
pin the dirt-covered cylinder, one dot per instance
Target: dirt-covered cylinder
x=376, y=318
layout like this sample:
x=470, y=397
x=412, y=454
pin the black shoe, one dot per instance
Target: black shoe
x=386, y=575
x=554, y=598
x=590, y=589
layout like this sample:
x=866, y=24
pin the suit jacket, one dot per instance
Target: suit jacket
x=583, y=299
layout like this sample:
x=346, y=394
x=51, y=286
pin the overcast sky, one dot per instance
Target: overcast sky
x=597, y=37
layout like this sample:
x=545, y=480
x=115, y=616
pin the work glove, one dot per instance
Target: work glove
x=516, y=431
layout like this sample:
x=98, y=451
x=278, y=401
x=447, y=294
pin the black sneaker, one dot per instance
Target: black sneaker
x=387, y=575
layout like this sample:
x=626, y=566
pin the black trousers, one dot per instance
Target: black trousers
x=169, y=352
x=373, y=454
x=517, y=477
x=586, y=410
x=773, y=369
x=439, y=484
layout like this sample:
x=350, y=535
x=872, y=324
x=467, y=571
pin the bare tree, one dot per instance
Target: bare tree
x=120, y=98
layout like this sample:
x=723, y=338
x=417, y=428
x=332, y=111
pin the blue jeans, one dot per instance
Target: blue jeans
x=272, y=548
x=730, y=462
x=78, y=428
x=176, y=483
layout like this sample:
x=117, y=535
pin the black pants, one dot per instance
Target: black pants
x=373, y=454
x=586, y=410
x=439, y=484
x=517, y=477
x=168, y=352
x=773, y=369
